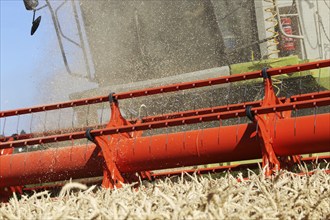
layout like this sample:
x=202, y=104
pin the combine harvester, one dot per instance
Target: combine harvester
x=122, y=154
x=219, y=88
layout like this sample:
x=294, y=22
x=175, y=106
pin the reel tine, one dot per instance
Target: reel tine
x=183, y=98
x=212, y=97
x=31, y=122
x=228, y=93
x=17, y=125
x=244, y=96
x=4, y=125
x=72, y=117
x=59, y=119
x=140, y=109
x=281, y=87
x=300, y=87
x=87, y=114
x=318, y=81
x=147, y=113
x=210, y=100
x=45, y=120
x=177, y=104
x=101, y=116
x=194, y=100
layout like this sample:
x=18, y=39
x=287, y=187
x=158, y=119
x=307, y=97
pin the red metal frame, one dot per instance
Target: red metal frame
x=266, y=126
x=112, y=177
x=121, y=151
x=230, y=107
x=212, y=145
x=170, y=88
x=170, y=122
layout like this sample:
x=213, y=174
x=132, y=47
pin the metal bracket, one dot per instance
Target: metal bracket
x=264, y=73
x=89, y=136
x=112, y=98
x=112, y=177
x=249, y=113
x=266, y=125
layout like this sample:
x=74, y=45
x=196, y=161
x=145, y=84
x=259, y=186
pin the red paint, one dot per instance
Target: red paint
x=167, y=151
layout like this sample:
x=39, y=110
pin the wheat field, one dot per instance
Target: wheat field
x=284, y=196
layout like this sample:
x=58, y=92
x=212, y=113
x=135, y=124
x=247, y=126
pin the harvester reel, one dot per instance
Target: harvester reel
x=120, y=152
